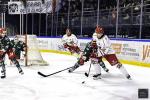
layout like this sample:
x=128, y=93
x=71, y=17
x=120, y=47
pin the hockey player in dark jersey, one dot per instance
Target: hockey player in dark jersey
x=90, y=52
x=6, y=48
x=18, y=46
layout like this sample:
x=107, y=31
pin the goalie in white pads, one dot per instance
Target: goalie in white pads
x=70, y=42
x=105, y=50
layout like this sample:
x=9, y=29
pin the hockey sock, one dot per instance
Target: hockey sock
x=123, y=70
x=17, y=65
x=98, y=71
x=101, y=63
x=3, y=71
x=97, y=68
x=3, y=66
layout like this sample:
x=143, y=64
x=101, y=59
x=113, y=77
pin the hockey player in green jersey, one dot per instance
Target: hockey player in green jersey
x=90, y=52
x=6, y=48
x=18, y=46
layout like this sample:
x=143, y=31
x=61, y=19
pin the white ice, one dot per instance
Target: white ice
x=68, y=86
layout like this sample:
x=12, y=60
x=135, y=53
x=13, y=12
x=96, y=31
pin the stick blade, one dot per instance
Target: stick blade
x=42, y=74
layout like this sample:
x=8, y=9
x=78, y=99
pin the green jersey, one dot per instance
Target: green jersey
x=5, y=43
x=18, y=47
x=89, y=50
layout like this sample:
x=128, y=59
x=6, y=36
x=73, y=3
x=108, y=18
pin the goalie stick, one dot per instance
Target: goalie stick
x=44, y=75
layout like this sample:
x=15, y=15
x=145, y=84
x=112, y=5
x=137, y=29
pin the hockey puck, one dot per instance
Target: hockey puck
x=83, y=82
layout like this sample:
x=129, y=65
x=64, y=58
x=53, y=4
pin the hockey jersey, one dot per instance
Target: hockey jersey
x=70, y=40
x=89, y=51
x=18, y=47
x=104, y=45
x=5, y=43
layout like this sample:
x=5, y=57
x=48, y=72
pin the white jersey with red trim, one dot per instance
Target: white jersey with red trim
x=103, y=44
x=70, y=40
x=94, y=36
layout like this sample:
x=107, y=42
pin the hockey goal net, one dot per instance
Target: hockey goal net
x=33, y=55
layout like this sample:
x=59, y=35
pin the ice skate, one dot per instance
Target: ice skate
x=73, y=68
x=21, y=71
x=106, y=70
x=128, y=77
x=97, y=76
x=3, y=74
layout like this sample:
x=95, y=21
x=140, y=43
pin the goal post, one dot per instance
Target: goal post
x=32, y=52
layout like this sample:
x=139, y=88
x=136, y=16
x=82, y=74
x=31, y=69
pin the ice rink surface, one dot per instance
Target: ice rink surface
x=68, y=86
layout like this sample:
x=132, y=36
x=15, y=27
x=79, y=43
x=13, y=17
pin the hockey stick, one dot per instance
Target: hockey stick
x=87, y=74
x=44, y=75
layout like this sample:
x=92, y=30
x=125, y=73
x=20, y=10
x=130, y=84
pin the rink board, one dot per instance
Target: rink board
x=135, y=52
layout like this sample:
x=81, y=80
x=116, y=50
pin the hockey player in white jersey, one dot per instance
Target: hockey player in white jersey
x=70, y=42
x=105, y=50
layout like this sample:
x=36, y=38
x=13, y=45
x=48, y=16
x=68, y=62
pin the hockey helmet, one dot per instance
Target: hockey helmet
x=99, y=30
x=4, y=30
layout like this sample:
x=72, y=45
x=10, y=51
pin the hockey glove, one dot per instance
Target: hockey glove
x=65, y=45
x=2, y=52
